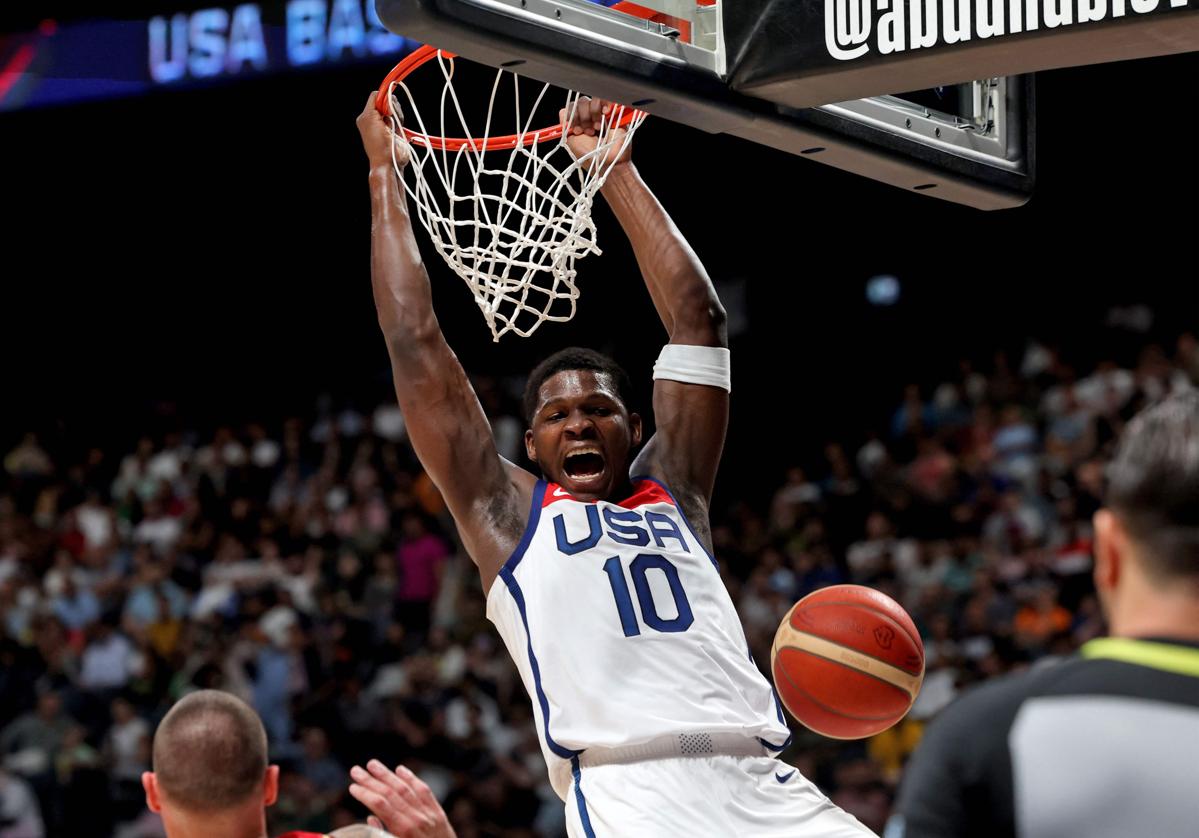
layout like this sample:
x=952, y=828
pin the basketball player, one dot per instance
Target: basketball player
x=1101, y=744
x=211, y=778
x=598, y=575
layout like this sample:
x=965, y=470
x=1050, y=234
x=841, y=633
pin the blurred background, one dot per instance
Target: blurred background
x=206, y=483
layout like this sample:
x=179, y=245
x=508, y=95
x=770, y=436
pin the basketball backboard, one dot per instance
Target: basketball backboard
x=913, y=95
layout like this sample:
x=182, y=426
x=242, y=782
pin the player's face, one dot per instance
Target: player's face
x=582, y=434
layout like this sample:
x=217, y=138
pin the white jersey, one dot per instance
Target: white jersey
x=623, y=632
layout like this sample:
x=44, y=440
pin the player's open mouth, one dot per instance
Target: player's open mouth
x=584, y=463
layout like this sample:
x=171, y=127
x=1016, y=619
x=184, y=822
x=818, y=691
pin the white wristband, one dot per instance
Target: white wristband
x=708, y=365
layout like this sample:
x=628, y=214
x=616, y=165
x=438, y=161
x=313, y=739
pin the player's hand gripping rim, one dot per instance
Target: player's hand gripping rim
x=384, y=147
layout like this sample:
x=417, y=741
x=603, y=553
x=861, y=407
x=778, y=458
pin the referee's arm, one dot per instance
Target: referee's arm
x=930, y=802
x=959, y=781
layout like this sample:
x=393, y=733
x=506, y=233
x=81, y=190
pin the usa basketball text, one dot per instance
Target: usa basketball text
x=921, y=24
x=254, y=37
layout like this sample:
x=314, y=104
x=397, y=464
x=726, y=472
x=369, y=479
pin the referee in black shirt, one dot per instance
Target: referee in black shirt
x=1104, y=744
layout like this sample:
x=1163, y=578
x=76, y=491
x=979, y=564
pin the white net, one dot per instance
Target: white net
x=510, y=215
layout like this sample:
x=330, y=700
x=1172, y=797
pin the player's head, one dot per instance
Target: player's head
x=210, y=767
x=1147, y=536
x=581, y=431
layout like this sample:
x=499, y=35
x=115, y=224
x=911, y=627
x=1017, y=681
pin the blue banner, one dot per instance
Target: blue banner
x=91, y=59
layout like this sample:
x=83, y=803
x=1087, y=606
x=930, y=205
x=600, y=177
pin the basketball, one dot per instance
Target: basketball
x=847, y=661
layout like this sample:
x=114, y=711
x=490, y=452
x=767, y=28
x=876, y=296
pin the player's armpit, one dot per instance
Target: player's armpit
x=452, y=439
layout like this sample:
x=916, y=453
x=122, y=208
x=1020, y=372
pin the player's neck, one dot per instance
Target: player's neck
x=240, y=823
x=1149, y=610
x=622, y=490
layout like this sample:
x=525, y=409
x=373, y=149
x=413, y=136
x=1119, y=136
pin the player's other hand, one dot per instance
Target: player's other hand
x=398, y=800
x=378, y=138
x=583, y=130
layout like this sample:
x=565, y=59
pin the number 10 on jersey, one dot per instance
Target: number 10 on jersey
x=638, y=569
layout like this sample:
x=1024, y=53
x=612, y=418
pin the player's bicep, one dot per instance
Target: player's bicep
x=446, y=425
x=692, y=420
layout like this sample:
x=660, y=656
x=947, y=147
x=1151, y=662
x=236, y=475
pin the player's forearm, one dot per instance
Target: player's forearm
x=400, y=283
x=678, y=284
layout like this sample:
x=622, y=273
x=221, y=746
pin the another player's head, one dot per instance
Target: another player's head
x=211, y=775
x=1147, y=536
x=581, y=431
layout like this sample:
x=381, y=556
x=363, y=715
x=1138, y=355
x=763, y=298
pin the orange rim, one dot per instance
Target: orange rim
x=422, y=55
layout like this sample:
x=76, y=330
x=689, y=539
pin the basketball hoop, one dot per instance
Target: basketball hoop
x=510, y=214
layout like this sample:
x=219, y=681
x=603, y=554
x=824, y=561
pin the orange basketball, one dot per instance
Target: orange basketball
x=847, y=661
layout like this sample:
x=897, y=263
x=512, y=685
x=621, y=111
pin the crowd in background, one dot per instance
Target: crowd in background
x=310, y=568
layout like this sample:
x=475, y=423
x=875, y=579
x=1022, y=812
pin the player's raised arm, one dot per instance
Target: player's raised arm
x=691, y=417
x=445, y=421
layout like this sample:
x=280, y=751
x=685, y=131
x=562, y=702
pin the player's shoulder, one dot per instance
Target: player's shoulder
x=654, y=486
x=1000, y=699
x=962, y=767
x=993, y=704
x=647, y=490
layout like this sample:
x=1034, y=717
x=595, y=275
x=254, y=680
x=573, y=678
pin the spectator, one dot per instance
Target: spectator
x=318, y=767
x=108, y=659
x=913, y=417
x=30, y=743
x=96, y=522
x=1071, y=436
x=797, y=491
x=151, y=588
x=280, y=672
x=127, y=753
x=1015, y=444
x=880, y=552
x=76, y=607
x=83, y=803
x=420, y=559
x=1041, y=620
x=19, y=813
x=28, y=459
x=157, y=528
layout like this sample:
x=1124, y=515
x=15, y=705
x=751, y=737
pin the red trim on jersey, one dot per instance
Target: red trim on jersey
x=303, y=835
x=553, y=494
x=647, y=492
